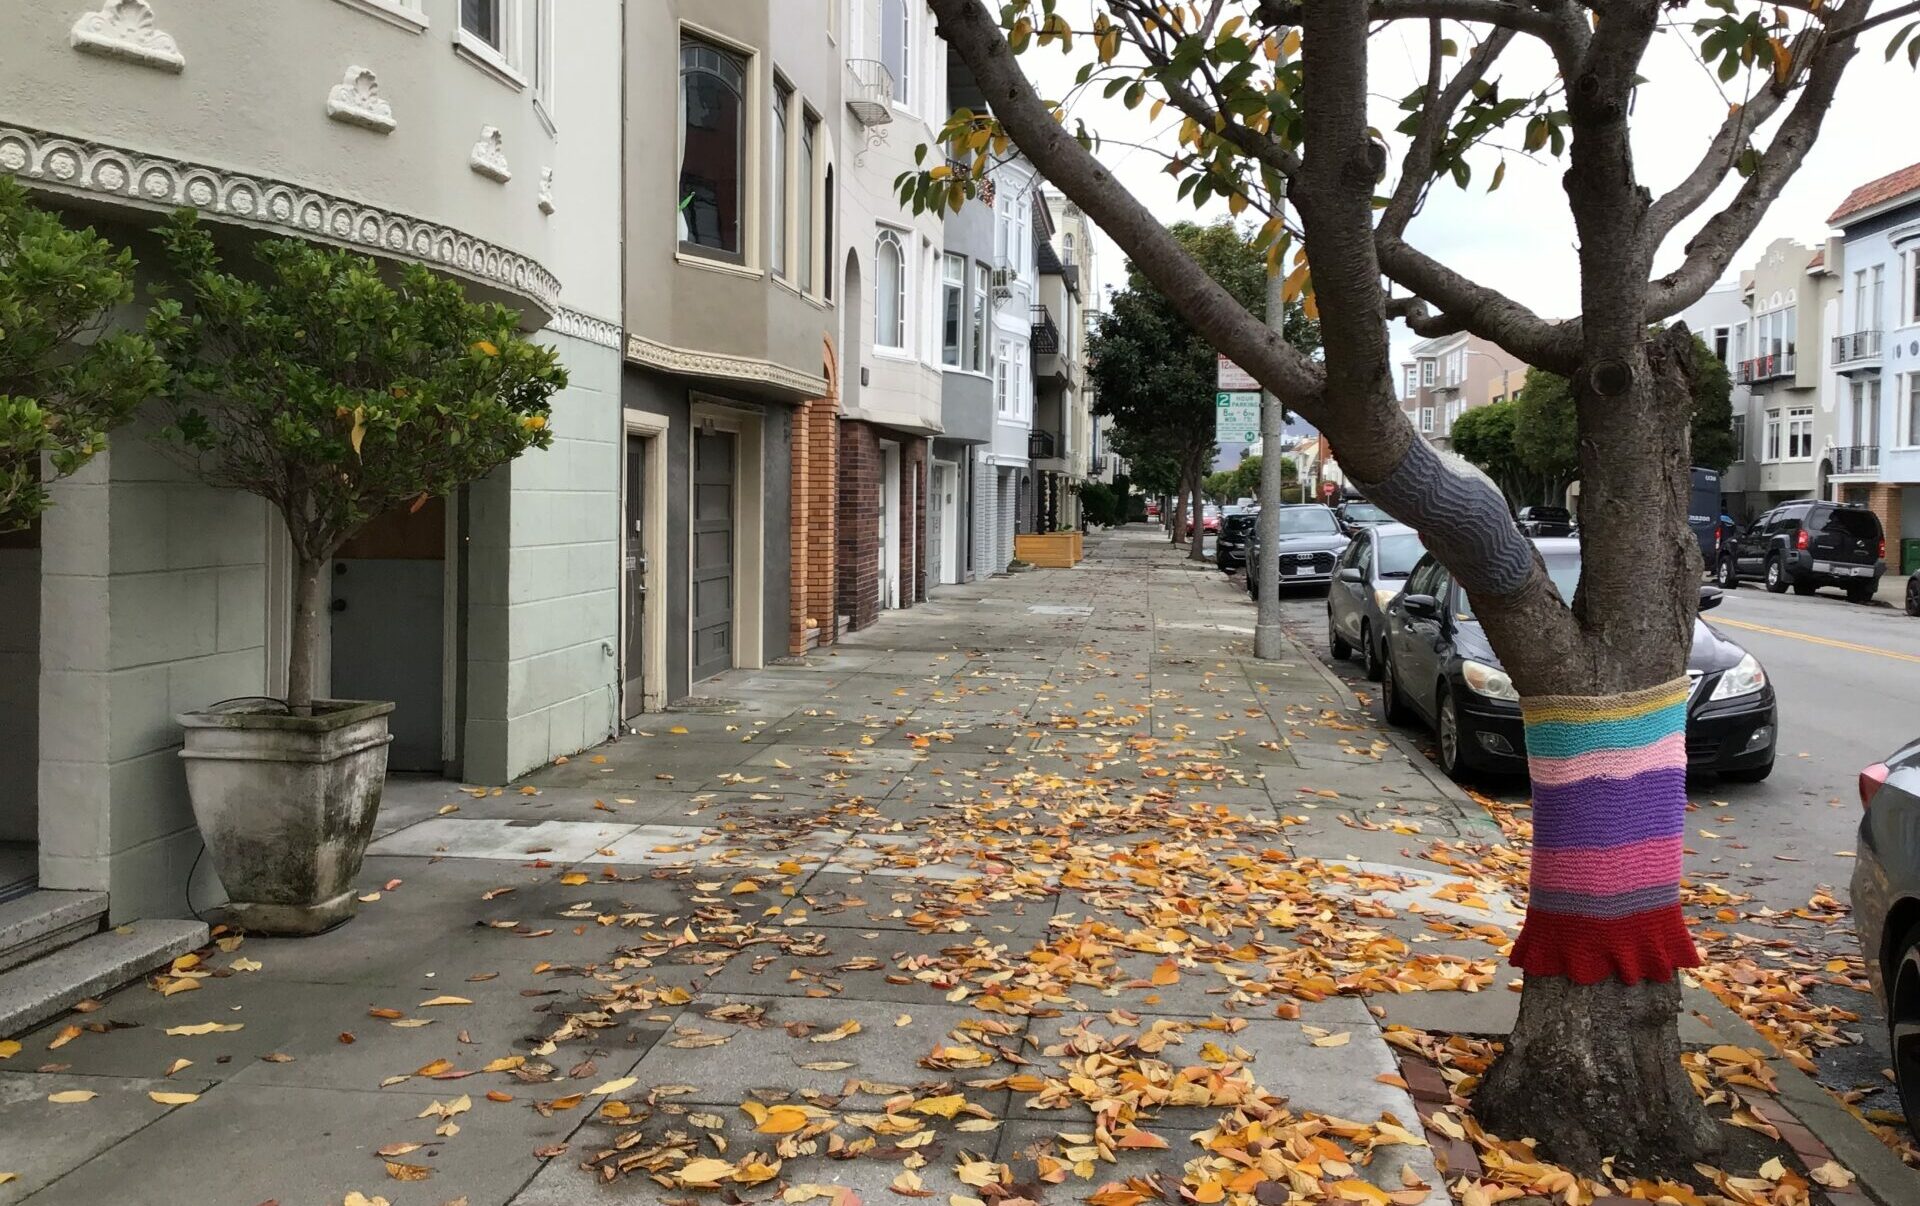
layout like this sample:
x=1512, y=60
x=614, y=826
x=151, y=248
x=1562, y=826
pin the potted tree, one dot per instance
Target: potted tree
x=337, y=391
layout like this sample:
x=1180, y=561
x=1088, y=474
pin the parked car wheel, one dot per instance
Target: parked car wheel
x=1726, y=575
x=1860, y=594
x=1776, y=576
x=1913, y=595
x=1370, y=652
x=1337, y=643
x=1392, y=707
x=1903, y=1022
x=1454, y=758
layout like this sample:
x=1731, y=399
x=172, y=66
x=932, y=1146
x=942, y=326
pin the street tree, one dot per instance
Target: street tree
x=65, y=378
x=1593, y=1065
x=1488, y=437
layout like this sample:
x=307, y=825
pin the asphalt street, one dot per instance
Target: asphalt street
x=1848, y=681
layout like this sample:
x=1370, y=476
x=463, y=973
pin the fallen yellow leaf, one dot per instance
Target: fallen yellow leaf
x=205, y=1028
x=71, y=1096
x=444, y=1001
x=706, y=1171
x=574, y=879
x=408, y=1172
x=783, y=1120
x=171, y=1099
x=614, y=1086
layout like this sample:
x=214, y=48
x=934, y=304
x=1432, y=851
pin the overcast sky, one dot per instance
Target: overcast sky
x=1520, y=239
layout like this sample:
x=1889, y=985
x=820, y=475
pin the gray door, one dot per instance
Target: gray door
x=713, y=467
x=388, y=615
x=635, y=564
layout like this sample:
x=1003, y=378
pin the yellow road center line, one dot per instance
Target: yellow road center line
x=1817, y=640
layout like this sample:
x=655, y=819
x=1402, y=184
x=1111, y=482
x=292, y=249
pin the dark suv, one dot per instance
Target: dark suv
x=1807, y=544
x=1236, y=532
x=1545, y=521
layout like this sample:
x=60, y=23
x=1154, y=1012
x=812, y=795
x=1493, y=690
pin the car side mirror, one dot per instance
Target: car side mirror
x=1350, y=574
x=1710, y=598
x=1425, y=607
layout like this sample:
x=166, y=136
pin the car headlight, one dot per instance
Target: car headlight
x=1383, y=595
x=1744, y=679
x=1490, y=681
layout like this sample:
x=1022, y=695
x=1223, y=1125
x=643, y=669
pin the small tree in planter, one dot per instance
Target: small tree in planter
x=336, y=393
x=60, y=393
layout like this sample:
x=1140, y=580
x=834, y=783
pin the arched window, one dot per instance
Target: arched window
x=712, y=147
x=1066, y=248
x=889, y=292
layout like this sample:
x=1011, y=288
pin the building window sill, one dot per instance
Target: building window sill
x=392, y=12
x=541, y=111
x=489, y=60
x=901, y=355
x=709, y=264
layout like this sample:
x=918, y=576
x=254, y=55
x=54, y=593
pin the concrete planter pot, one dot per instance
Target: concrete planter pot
x=286, y=805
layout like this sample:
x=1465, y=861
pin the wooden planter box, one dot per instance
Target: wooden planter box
x=1049, y=550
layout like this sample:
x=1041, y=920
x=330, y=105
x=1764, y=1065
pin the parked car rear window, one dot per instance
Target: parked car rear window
x=1563, y=569
x=1399, y=553
x=1306, y=521
x=1365, y=513
x=1546, y=513
x=1851, y=524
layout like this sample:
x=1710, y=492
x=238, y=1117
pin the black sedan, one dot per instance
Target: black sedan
x=1369, y=574
x=1441, y=668
x=1886, y=907
x=1913, y=594
x=1236, y=531
x=1545, y=521
x=1310, y=541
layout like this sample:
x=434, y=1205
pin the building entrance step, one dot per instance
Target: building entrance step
x=44, y=987
x=44, y=920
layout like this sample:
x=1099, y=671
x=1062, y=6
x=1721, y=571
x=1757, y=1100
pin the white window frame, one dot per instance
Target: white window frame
x=1799, y=429
x=1426, y=420
x=1771, y=440
x=1740, y=449
x=1878, y=292
x=1002, y=370
x=747, y=261
x=407, y=14
x=953, y=295
x=541, y=64
x=502, y=62
x=980, y=317
x=907, y=79
x=1908, y=411
x=1912, y=285
x=903, y=327
x=1722, y=342
x=1860, y=299
x=780, y=194
x=1429, y=368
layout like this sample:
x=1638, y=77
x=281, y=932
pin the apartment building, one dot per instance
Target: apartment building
x=1792, y=296
x=1062, y=432
x=1722, y=321
x=1873, y=393
x=1008, y=464
x=426, y=131
x=1443, y=378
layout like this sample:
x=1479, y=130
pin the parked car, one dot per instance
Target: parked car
x=1209, y=519
x=1886, y=907
x=1358, y=513
x=1913, y=594
x=1807, y=544
x=1236, y=530
x=1310, y=541
x=1365, y=579
x=1153, y=508
x=1441, y=669
x=1545, y=521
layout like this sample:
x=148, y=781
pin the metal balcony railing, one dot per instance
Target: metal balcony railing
x=1857, y=458
x=1046, y=335
x=1855, y=348
x=1765, y=368
x=869, y=91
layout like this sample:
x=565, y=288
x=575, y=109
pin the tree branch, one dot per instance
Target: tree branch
x=1721, y=154
x=1264, y=147
x=966, y=26
x=1488, y=313
x=1416, y=168
x=1710, y=251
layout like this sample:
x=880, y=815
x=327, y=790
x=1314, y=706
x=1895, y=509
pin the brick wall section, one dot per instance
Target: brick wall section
x=913, y=522
x=812, y=618
x=857, y=537
x=1884, y=500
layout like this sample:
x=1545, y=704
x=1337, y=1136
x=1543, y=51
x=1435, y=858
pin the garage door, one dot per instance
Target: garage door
x=713, y=468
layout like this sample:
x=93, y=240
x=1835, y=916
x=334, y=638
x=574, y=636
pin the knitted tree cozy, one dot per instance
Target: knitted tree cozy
x=1609, y=819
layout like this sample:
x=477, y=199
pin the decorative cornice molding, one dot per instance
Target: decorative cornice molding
x=128, y=177
x=489, y=155
x=586, y=327
x=356, y=100
x=546, y=190
x=125, y=29
x=642, y=350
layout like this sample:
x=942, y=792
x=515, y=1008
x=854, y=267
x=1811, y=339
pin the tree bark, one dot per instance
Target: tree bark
x=303, y=655
x=1598, y=1068
x=1177, y=517
x=1197, y=549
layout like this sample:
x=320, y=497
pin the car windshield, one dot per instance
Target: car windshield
x=1399, y=553
x=1366, y=513
x=1547, y=513
x=1563, y=568
x=1306, y=521
x=1853, y=525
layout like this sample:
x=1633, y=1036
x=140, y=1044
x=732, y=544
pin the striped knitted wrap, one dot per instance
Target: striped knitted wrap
x=1609, y=821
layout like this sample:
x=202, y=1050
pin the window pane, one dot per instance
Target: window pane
x=889, y=296
x=712, y=91
x=782, y=101
x=481, y=18
x=1913, y=408
x=981, y=283
x=896, y=45
x=809, y=133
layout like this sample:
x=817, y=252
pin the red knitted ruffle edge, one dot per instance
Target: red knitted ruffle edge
x=1645, y=946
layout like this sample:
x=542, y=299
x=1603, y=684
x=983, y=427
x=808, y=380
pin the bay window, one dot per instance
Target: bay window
x=982, y=282
x=889, y=292
x=713, y=122
x=953, y=305
x=782, y=178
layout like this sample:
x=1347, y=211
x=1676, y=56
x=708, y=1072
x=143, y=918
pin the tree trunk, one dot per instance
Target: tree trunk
x=1197, y=550
x=303, y=656
x=1178, y=526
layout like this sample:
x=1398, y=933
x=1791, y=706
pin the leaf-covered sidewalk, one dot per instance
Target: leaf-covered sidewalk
x=1043, y=892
